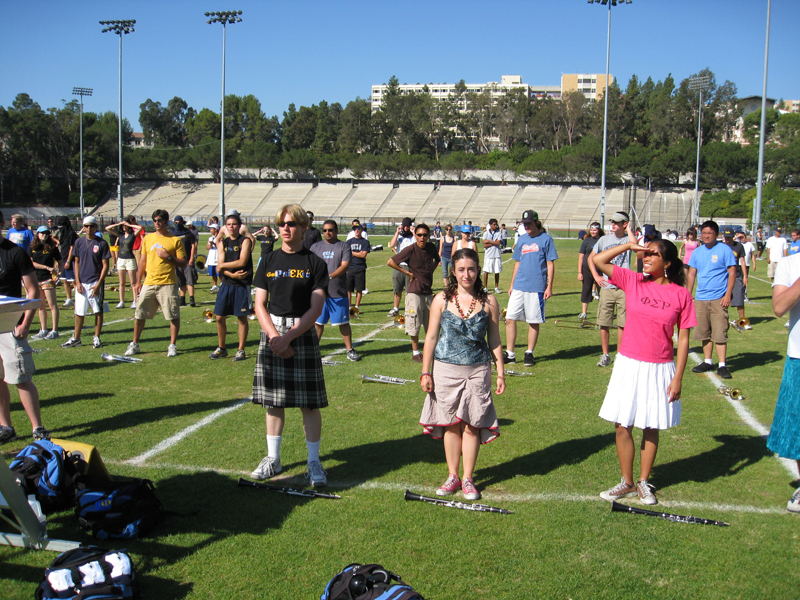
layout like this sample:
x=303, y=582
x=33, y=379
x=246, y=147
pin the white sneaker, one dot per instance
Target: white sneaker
x=51, y=335
x=40, y=336
x=96, y=343
x=121, y=305
x=498, y=291
x=214, y=289
x=794, y=504
x=316, y=475
x=645, y=491
x=394, y=312
x=268, y=467
x=68, y=302
x=133, y=348
x=172, y=350
x=133, y=304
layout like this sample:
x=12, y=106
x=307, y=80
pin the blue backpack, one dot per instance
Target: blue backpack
x=368, y=582
x=90, y=573
x=117, y=509
x=45, y=470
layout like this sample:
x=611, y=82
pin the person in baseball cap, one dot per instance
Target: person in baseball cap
x=740, y=283
x=402, y=238
x=531, y=284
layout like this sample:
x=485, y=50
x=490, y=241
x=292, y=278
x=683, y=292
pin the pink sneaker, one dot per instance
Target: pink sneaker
x=450, y=486
x=469, y=489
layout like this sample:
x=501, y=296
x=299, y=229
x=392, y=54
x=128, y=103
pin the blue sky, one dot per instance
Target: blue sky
x=309, y=50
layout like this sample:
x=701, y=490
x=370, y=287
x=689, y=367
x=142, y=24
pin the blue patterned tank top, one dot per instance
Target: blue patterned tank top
x=463, y=341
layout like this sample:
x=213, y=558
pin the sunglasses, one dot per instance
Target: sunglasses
x=423, y=235
x=287, y=224
x=328, y=230
x=159, y=220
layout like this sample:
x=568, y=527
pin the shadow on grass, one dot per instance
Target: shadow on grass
x=751, y=360
x=50, y=402
x=548, y=459
x=135, y=418
x=734, y=454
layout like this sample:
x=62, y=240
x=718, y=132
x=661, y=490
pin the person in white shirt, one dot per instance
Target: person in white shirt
x=352, y=233
x=777, y=248
x=492, y=263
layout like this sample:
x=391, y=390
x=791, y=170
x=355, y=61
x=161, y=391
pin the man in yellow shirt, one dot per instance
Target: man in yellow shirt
x=162, y=253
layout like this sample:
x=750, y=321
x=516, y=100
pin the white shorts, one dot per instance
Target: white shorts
x=126, y=264
x=492, y=265
x=525, y=306
x=85, y=305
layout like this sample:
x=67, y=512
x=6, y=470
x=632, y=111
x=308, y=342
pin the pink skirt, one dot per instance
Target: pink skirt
x=461, y=394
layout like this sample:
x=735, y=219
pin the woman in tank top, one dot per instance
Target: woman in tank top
x=446, y=250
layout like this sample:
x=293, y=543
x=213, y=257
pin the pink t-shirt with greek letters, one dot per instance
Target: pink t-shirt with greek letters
x=652, y=311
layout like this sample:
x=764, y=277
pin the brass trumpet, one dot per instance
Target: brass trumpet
x=385, y=379
x=208, y=316
x=741, y=324
x=400, y=321
x=354, y=311
x=733, y=393
x=200, y=262
x=503, y=314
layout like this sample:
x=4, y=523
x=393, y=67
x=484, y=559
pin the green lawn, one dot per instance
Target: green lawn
x=553, y=458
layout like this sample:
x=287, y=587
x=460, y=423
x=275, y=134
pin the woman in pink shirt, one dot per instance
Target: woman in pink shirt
x=688, y=247
x=645, y=386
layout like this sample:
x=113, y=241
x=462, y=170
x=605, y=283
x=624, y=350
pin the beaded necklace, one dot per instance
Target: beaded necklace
x=471, y=307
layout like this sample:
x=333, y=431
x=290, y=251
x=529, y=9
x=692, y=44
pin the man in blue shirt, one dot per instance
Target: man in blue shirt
x=794, y=245
x=713, y=265
x=19, y=233
x=531, y=284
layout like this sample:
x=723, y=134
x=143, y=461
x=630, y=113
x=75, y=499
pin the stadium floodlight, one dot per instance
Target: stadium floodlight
x=762, y=134
x=224, y=17
x=701, y=84
x=610, y=3
x=81, y=91
x=119, y=27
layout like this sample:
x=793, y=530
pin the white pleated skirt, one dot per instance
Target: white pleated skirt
x=637, y=395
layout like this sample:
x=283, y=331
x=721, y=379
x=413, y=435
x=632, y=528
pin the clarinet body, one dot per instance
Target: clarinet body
x=287, y=490
x=453, y=504
x=617, y=507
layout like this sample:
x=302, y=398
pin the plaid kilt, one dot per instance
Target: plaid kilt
x=296, y=382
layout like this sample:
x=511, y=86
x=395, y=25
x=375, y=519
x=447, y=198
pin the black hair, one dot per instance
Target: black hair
x=710, y=224
x=161, y=214
x=331, y=222
x=452, y=283
x=422, y=226
x=669, y=254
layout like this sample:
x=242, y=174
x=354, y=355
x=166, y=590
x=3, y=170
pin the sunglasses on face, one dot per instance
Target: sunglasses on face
x=159, y=221
x=287, y=224
x=423, y=235
x=328, y=230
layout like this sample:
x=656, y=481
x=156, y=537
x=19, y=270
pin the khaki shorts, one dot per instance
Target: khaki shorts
x=418, y=310
x=712, y=322
x=771, y=269
x=153, y=296
x=17, y=359
x=399, y=280
x=605, y=308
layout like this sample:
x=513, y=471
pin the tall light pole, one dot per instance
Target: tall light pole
x=119, y=27
x=610, y=3
x=700, y=83
x=763, y=134
x=81, y=91
x=224, y=17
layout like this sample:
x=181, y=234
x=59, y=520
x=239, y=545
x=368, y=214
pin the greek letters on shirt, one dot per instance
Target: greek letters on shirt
x=654, y=302
x=289, y=273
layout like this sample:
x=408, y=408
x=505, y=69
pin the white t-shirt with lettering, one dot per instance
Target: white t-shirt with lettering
x=786, y=273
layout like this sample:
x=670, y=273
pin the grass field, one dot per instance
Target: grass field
x=552, y=459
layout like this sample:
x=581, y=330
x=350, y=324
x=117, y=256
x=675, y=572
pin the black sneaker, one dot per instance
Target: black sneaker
x=528, y=362
x=703, y=367
x=192, y=303
x=508, y=359
x=218, y=353
x=40, y=433
x=7, y=434
x=183, y=301
x=724, y=373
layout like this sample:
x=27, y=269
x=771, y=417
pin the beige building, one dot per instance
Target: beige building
x=789, y=106
x=591, y=85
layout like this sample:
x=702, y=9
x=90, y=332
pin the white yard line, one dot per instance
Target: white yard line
x=363, y=338
x=759, y=279
x=748, y=417
x=171, y=441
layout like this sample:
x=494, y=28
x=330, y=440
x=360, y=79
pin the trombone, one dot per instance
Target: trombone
x=400, y=321
x=741, y=324
x=355, y=311
x=385, y=379
x=733, y=393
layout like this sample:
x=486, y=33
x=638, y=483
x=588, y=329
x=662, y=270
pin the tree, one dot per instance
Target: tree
x=456, y=164
x=545, y=165
x=298, y=162
x=259, y=155
x=634, y=160
x=355, y=127
x=584, y=160
x=724, y=163
x=299, y=128
x=752, y=125
x=202, y=126
x=165, y=126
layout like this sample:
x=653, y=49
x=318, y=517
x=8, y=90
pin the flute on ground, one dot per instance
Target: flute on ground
x=454, y=504
x=287, y=490
x=385, y=379
x=617, y=507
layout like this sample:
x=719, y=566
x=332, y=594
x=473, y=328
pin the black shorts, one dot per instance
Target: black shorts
x=357, y=280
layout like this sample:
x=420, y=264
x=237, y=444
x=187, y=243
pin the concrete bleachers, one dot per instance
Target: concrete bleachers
x=448, y=203
x=166, y=197
x=366, y=200
x=326, y=198
x=491, y=203
x=538, y=198
x=133, y=194
x=407, y=200
x=665, y=209
x=246, y=197
x=203, y=201
x=284, y=193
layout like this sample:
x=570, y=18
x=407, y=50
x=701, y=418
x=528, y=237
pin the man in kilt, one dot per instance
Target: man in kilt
x=291, y=284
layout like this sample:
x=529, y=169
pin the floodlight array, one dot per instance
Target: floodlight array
x=82, y=91
x=119, y=27
x=225, y=17
x=613, y=2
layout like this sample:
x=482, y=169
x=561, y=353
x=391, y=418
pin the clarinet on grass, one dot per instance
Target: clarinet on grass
x=454, y=504
x=617, y=507
x=287, y=490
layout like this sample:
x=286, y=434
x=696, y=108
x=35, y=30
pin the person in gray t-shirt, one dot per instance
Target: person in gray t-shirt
x=610, y=296
x=337, y=256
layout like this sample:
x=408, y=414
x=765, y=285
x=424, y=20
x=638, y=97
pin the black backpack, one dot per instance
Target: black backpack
x=368, y=582
x=89, y=573
x=118, y=509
